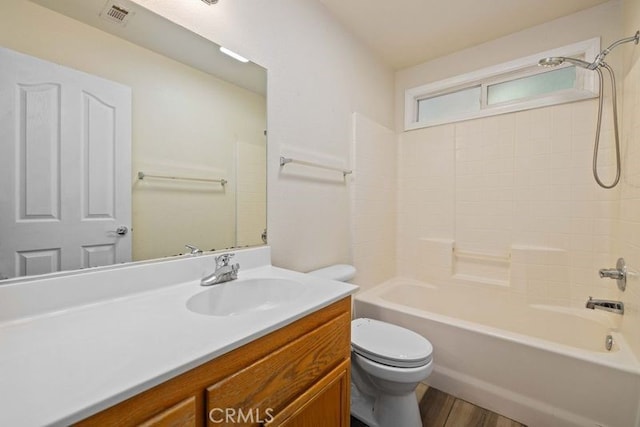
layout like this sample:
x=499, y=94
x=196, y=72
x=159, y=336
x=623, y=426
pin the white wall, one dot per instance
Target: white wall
x=318, y=75
x=517, y=186
x=374, y=202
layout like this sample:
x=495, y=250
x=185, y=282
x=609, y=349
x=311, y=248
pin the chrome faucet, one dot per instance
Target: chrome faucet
x=224, y=272
x=194, y=250
x=619, y=274
x=606, y=305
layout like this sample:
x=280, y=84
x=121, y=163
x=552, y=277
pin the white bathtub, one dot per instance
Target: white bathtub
x=541, y=365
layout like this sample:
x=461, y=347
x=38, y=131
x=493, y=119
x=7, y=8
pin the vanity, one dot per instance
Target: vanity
x=145, y=344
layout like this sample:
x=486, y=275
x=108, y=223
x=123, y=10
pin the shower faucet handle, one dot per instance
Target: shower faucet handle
x=611, y=273
x=619, y=273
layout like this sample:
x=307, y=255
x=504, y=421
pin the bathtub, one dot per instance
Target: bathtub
x=541, y=365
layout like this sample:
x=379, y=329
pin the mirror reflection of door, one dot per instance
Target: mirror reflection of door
x=195, y=113
x=55, y=215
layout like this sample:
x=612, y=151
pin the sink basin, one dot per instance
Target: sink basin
x=245, y=296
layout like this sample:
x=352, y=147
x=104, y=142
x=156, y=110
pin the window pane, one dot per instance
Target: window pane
x=539, y=84
x=449, y=105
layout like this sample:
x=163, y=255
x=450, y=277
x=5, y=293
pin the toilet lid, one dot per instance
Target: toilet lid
x=389, y=344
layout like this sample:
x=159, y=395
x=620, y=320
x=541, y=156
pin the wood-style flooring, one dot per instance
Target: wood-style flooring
x=439, y=409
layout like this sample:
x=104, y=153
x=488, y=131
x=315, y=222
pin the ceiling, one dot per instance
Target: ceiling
x=409, y=32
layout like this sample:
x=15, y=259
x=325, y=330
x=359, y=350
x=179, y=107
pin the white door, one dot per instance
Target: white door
x=65, y=168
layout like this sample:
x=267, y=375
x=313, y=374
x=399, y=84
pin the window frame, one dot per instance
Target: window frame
x=586, y=86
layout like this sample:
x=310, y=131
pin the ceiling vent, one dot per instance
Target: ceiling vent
x=116, y=12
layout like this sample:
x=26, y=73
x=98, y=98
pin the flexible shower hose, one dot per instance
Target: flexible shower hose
x=615, y=127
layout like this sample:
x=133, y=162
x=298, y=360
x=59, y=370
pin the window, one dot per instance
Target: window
x=440, y=107
x=513, y=86
x=527, y=87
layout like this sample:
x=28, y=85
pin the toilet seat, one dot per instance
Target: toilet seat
x=389, y=344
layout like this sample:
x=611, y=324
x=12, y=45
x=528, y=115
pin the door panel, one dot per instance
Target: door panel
x=65, y=167
x=99, y=146
x=38, y=167
x=97, y=255
x=37, y=262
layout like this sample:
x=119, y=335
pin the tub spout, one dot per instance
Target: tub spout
x=606, y=305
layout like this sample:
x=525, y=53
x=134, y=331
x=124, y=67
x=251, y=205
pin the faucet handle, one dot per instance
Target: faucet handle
x=619, y=273
x=194, y=249
x=223, y=260
x=612, y=273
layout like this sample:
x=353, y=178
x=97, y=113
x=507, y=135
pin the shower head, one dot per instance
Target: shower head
x=554, y=61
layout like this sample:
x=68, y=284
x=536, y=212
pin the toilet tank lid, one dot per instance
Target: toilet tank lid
x=339, y=272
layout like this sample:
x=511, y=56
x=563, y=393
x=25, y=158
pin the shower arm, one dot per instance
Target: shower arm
x=598, y=61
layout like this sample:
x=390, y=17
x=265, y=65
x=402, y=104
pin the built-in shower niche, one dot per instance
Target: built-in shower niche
x=539, y=273
x=481, y=266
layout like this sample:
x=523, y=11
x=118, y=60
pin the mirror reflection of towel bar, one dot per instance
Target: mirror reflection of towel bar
x=285, y=160
x=142, y=175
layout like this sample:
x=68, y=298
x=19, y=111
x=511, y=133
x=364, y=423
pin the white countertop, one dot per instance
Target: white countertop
x=59, y=367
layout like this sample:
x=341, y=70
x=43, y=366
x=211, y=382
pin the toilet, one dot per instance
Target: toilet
x=387, y=364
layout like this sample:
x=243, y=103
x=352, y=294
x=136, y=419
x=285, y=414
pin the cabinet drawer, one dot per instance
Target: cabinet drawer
x=272, y=382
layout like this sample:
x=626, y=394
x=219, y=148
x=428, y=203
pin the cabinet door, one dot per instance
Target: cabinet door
x=326, y=403
x=182, y=414
x=270, y=384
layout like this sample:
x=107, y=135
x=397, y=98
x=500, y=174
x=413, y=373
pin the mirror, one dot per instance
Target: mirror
x=190, y=168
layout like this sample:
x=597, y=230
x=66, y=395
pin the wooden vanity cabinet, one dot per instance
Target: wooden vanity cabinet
x=180, y=414
x=296, y=376
x=324, y=404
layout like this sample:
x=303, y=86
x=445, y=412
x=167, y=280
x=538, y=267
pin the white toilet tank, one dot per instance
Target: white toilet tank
x=339, y=272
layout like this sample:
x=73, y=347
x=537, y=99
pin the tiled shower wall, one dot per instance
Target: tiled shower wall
x=628, y=230
x=251, y=191
x=509, y=200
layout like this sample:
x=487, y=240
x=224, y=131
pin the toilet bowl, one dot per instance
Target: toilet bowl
x=387, y=364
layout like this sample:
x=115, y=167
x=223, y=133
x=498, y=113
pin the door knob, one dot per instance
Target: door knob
x=122, y=230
